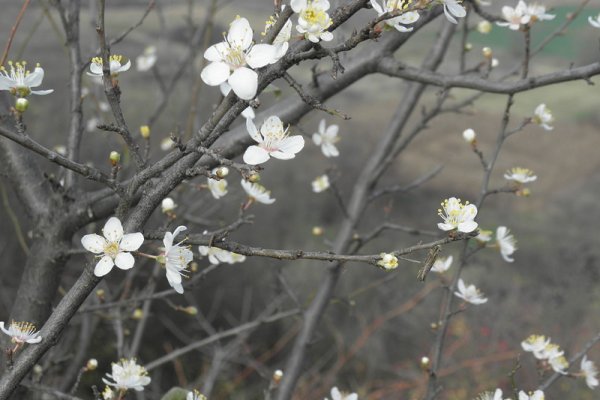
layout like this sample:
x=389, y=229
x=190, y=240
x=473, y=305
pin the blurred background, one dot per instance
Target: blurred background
x=377, y=328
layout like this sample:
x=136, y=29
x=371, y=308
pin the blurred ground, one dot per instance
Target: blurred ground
x=551, y=288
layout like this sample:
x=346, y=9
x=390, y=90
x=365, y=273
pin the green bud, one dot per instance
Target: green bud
x=21, y=104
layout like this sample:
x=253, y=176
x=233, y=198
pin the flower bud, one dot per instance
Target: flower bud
x=277, y=375
x=425, y=362
x=145, y=131
x=469, y=135
x=194, y=267
x=114, y=158
x=91, y=365
x=138, y=313
x=484, y=27
x=38, y=369
x=487, y=52
x=168, y=205
x=21, y=104
x=222, y=172
x=100, y=294
x=191, y=310
x=317, y=231
x=468, y=46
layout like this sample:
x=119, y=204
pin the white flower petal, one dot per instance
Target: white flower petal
x=298, y=5
x=261, y=55
x=35, y=78
x=104, y=266
x=255, y=155
x=292, y=144
x=215, y=52
x=94, y=243
x=113, y=230
x=131, y=241
x=244, y=83
x=252, y=131
x=240, y=33
x=124, y=260
x=215, y=73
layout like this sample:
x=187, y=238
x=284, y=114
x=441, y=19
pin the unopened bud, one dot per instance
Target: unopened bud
x=468, y=46
x=100, y=294
x=487, y=52
x=114, y=157
x=254, y=177
x=525, y=192
x=317, y=231
x=38, y=369
x=277, y=376
x=469, y=135
x=145, y=131
x=434, y=326
x=484, y=27
x=137, y=313
x=194, y=267
x=21, y=104
x=168, y=205
x=191, y=310
x=425, y=362
x=222, y=172
x=91, y=365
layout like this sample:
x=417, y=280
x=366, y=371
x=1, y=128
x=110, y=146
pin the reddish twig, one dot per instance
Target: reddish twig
x=13, y=31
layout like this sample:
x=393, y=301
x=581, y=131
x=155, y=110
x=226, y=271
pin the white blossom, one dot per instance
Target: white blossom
x=167, y=144
x=559, y=364
x=281, y=41
x=146, y=60
x=543, y=117
x=515, y=17
x=457, y=216
x=589, y=372
x=398, y=22
x=320, y=184
x=497, y=395
x=257, y=192
x=484, y=236
x=168, y=205
x=537, y=395
x=388, y=261
x=453, y=8
x=327, y=137
x=19, y=81
x=337, y=395
x=521, y=175
x=537, y=12
x=21, y=332
x=273, y=141
x=470, y=293
x=218, y=187
x=114, y=247
x=176, y=258
x=92, y=123
x=506, y=243
x=217, y=255
x=442, y=265
x=118, y=64
x=235, y=59
x=594, y=21
x=313, y=20
x=536, y=345
x=127, y=374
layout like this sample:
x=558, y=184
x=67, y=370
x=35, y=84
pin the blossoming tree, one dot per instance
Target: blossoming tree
x=139, y=205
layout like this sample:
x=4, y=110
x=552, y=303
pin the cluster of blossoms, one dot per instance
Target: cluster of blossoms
x=399, y=22
x=523, y=15
x=18, y=81
x=545, y=351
